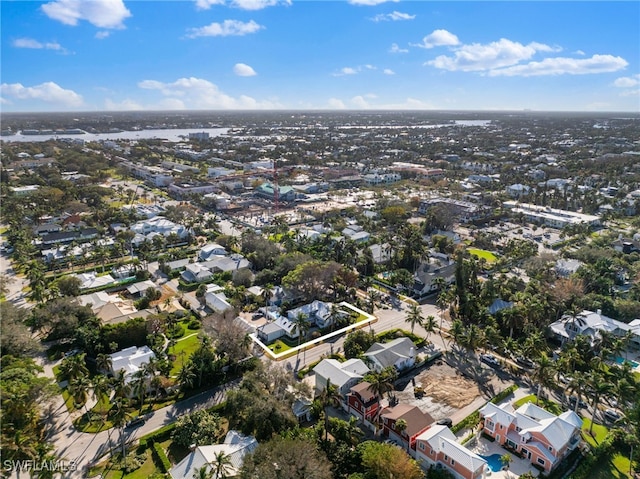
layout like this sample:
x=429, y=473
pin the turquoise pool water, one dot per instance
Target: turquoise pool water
x=620, y=360
x=493, y=461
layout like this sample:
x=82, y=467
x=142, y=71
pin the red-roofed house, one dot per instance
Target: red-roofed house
x=363, y=404
x=416, y=420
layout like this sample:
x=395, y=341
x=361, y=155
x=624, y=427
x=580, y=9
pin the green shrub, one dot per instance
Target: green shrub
x=162, y=457
x=176, y=331
x=194, y=324
x=504, y=394
x=470, y=421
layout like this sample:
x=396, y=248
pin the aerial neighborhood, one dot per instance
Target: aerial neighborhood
x=327, y=295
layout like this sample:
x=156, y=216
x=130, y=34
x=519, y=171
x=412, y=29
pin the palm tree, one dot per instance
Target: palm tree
x=74, y=367
x=119, y=419
x=101, y=388
x=121, y=388
x=301, y=326
x=401, y=427
x=506, y=460
x=139, y=386
x=222, y=465
x=543, y=373
x=381, y=383
x=104, y=362
x=330, y=396
x=414, y=317
x=79, y=389
x=203, y=473
x=429, y=325
x=601, y=386
x=457, y=331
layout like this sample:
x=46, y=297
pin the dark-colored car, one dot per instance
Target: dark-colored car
x=572, y=402
x=524, y=361
x=445, y=422
x=136, y=422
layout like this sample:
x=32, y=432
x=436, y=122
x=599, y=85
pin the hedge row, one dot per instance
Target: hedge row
x=162, y=457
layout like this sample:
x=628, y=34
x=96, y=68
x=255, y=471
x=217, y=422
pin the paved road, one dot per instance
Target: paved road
x=387, y=319
x=86, y=449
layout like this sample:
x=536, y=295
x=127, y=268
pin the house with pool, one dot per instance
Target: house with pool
x=438, y=447
x=532, y=432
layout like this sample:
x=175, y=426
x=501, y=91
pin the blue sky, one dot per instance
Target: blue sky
x=76, y=55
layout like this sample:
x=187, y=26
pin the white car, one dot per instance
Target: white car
x=612, y=415
x=490, y=359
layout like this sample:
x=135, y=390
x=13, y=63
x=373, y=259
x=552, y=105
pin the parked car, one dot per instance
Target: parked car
x=572, y=402
x=490, y=359
x=73, y=352
x=445, y=422
x=612, y=415
x=524, y=361
x=136, y=422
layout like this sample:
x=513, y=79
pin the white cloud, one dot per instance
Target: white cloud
x=197, y=93
x=438, y=38
x=243, y=70
x=336, y=104
x=207, y=4
x=388, y=71
x=370, y=67
x=564, y=66
x=627, y=82
x=396, y=49
x=394, y=16
x=35, y=44
x=480, y=57
x=346, y=71
x=49, y=92
x=258, y=4
x=102, y=34
x=630, y=93
x=580, y=52
x=369, y=2
x=101, y=13
x=360, y=102
x=226, y=28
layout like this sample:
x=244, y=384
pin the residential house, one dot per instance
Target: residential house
x=196, y=273
x=534, y=433
x=215, y=299
x=399, y=353
x=235, y=446
x=317, y=313
x=518, y=190
x=590, y=324
x=91, y=280
x=364, y=404
x=342, y=375
x=438, y=447
x=269, y=332
x=226, y=263
x=415, y=419
x=627, y=245
x=381, y=253
x=130, y=360
x=566, y=267
x=209, y=250
x=499, y=305
x=356, y=233
x=139, y=289
x=426, y=277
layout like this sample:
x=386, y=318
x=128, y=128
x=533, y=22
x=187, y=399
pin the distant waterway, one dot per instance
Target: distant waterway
x=176, y=135
x=482, y=123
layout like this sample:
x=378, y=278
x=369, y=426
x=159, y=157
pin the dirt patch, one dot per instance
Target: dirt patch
x=445, y=391
x=450, y=389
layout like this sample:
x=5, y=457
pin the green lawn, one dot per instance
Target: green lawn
x=481, y=253
x=551, y=406
x=617, y=466
x=183, y=350
x=279, y=347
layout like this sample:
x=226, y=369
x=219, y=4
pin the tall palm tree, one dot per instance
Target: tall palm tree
x=222, y=465
x=301, y=326
x=429, y=325
x=104, y=362
x=381, y=383
x=600, y=385
x=119, y=415
x=79, y=389
x=121, y=388
x=543, y=373
x=330, y=396
x=414, y=316
x=139, y=386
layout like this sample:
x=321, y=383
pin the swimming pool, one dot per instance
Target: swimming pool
x=620, y=360
x=494, y=462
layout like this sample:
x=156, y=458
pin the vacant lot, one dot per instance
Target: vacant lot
x=445, y=390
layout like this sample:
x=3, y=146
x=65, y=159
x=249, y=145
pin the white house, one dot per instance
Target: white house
x=236, y=446
x=209, y=250
x=130, y=360
x=400, y=353
x=342, y=375
x=590, y=324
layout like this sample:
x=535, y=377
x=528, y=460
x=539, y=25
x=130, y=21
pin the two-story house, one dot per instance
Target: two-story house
x=536, y=434
x=364, y=404
x=416, y=422
x=438, y=447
